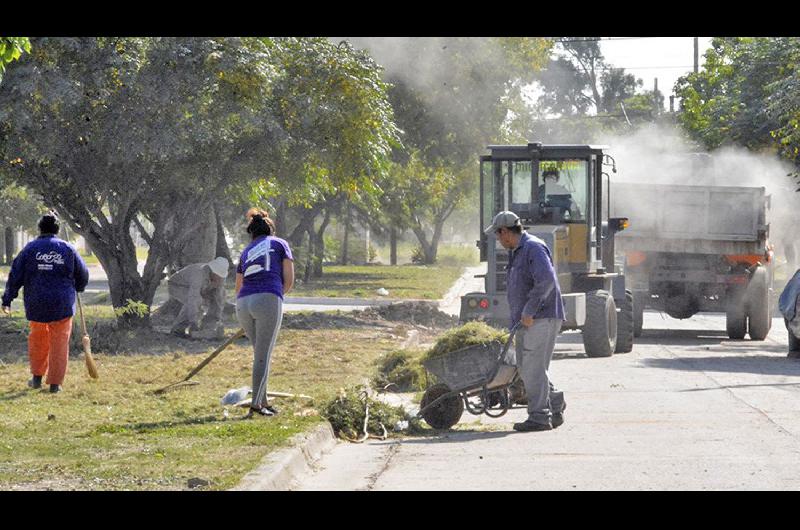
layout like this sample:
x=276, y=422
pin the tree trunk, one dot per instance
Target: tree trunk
x=346, y=234
x=393, y=246
x=319, y=246
x=222, y=244
x=11, y=245
x=202, y=247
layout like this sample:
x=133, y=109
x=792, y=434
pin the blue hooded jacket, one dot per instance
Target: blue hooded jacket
x=51, y=271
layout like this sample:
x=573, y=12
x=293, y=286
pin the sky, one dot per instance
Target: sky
x=665, y=58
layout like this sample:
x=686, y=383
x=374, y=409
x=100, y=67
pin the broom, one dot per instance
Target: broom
x=87, y=344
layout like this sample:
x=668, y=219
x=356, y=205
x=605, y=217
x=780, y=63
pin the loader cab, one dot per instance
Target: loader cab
x=551, y=185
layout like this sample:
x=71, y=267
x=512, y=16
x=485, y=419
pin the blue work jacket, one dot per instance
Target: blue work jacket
x=532, y=282
x=51, y=271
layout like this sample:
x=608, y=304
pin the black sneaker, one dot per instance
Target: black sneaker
x=530, y=426
x=272, y=409
x=55, y=389
x=35, y=382
x=557, y=420
x=263, y=411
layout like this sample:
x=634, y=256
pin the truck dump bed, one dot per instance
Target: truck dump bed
x=690, y=219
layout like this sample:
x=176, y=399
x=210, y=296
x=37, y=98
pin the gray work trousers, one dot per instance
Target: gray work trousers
x=534, y=348
x=260, y=316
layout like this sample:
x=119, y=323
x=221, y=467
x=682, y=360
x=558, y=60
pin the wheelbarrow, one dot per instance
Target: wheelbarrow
x=476, y=378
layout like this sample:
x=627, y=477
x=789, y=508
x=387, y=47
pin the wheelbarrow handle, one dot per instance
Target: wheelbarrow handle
x=513, y=332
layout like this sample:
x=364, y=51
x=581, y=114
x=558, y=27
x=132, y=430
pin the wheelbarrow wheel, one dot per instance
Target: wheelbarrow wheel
x=444, y=414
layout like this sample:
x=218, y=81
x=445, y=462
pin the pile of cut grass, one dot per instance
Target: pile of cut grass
x=470, y=334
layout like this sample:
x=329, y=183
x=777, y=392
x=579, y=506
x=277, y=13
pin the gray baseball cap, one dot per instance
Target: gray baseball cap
x=502, y=220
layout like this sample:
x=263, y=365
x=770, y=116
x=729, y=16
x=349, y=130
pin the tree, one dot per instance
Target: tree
x=617, y=86
x=334, y=106
x=114, y=131
x=451, y=98
x=11, y=49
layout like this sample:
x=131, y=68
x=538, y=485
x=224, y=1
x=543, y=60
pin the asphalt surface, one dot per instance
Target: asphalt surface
x=688, y=409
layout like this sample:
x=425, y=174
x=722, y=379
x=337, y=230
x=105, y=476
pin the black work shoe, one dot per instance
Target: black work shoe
x=35, y=382
x=557, y=420
x=793, y=354
x=54, y=389
x=530, y=426
x=272, y=409
x=263, y=411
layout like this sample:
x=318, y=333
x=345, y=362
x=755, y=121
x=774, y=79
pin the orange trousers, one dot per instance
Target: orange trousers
x=48, y=349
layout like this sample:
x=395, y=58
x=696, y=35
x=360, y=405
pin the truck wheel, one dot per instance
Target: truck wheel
x=794, y=342
x=600, y=330
x=638, y=315
x=625, y=324
x=736, y=320
x=758, y=308
x=444, y=414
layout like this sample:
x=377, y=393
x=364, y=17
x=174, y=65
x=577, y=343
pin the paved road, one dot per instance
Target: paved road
x=687, y=409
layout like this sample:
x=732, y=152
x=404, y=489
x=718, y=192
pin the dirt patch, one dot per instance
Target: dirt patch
x=420, y=313
x=319, y=320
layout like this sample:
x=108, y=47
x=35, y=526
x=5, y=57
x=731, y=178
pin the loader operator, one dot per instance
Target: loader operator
x=193, y=286
x=551, y=193
x=534, y=298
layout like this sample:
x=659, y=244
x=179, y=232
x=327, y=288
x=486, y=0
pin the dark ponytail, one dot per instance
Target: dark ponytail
x=259, y=227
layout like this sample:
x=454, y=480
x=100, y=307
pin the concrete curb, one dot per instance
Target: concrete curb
x=279, y=469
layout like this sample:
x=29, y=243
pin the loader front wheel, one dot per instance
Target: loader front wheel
x=600, y=330
x=444, y=414
x=625, y=324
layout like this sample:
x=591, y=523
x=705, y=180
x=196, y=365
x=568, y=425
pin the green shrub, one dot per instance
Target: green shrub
x=470, y=334
x=403, y=369
x=346, y=414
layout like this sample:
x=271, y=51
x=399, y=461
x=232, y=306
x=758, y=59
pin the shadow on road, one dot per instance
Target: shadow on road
x=740, y=386
x=754, y=364
x=466, y=435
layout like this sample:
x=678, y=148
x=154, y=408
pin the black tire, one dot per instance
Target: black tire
x=625, y=324
x=759, y=317
x=600, y=329
x=794, y=342
x=444, y=414
x=736, y=317
x=638, y=314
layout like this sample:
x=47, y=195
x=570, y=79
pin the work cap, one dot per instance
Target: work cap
x=219, y=266
x=502, y=220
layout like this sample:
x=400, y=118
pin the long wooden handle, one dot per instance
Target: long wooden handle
x=80, y=311
x=216, y=352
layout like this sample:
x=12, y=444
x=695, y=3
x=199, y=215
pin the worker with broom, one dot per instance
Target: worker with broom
x=52, y=272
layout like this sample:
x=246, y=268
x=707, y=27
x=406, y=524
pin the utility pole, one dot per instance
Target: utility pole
x=696, y=55
x=655, y=96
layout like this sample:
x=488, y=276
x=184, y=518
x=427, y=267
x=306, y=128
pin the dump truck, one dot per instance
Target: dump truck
x=572, y=218
x=695, y=248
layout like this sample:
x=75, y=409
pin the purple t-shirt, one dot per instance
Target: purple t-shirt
x=261, y=264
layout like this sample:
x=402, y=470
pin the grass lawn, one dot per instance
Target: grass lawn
x=114, y=433
x=402, y=281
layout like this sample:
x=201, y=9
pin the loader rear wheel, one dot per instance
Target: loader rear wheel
x=638, y=314
x=625, y=324
x=736, y=318
x=759, y=319
x=444, y=414
x=600, y=330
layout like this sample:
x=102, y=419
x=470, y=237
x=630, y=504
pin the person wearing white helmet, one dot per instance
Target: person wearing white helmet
x=193, y=286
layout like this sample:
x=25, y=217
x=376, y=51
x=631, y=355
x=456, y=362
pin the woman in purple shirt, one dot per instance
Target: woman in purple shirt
x=265, y=273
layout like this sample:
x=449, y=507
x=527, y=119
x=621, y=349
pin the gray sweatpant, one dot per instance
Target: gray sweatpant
x=260, y=316
x=534, y=347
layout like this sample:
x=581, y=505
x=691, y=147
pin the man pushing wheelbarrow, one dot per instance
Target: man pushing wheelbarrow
x=486, y=371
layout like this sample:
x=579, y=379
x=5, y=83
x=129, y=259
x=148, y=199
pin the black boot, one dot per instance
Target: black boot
x=54, y=389
x=35, y=382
